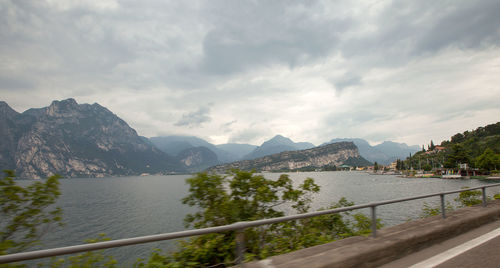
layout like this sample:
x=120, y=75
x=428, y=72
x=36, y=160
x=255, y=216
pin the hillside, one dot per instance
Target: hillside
x=335, y=154
x=478, y=140
x=276, y=145
x=479, y=148
x=383, y=153
x=75, y=140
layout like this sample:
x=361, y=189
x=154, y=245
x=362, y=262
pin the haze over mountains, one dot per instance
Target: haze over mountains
x=383, y=153
x=83, y=140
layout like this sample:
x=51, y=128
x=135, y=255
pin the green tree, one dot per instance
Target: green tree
x=458, y=155
x=427, y=167
x=488, y=160
x=26, y=212
x=469, y=198
x=245, y=196
x=375, y=166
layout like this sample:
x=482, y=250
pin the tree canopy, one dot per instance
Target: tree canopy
x=245, y=196
x=26, y=212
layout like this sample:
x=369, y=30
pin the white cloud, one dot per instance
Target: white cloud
x=97, y=5
x=380, y=70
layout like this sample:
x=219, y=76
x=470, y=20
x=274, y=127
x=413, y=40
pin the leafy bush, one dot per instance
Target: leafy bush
x=245, y=196
x=26, y=212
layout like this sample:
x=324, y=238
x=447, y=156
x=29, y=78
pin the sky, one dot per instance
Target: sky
x=245, y=71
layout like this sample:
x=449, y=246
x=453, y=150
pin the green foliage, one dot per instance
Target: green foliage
x=429, y=211
x=427, y=167
x=488, y=160
x=469, y=198
x=26, y=212
x=245, y=196
x=459, y=154
x=464, y=147
x=375, y=166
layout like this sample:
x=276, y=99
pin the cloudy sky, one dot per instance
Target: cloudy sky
x=244, y=71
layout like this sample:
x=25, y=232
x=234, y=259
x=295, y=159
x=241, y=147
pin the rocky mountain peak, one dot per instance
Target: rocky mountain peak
x=279, y=140
x=64, y=108
x=77, y=140
x=6, y=111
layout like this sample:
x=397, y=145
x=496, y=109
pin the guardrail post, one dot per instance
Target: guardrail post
x=443, y=207
x=374, y=221
x=240, y=246
x=484, y=196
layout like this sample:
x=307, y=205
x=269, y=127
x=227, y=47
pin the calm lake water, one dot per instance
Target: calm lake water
x=134, y=206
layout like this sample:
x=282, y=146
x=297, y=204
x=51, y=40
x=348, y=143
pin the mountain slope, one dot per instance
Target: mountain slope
x=173, y=145
x=383, y=153
x=197, y=158
x=275, y=145
x=237, y=149
x=394, y=150
x=79, y=141
x=327, y=155
x=475, y=142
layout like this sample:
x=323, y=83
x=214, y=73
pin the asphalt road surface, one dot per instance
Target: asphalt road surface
x=477, y=248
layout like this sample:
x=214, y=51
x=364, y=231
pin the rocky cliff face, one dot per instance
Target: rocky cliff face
x=197, y=158
x=75, y=141
x=331, y=154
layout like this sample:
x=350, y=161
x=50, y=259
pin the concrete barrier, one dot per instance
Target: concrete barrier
x=391, y=243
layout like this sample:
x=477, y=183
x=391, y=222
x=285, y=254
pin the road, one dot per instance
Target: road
x=477, y=248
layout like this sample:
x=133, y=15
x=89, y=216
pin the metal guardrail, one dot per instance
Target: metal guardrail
x=239, y=227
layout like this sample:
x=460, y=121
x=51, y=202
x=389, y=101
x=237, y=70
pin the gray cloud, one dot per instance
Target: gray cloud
x=347, y=80
x=11, y=83
x=249, y=135
x=272, y=62
x=195, y=118
x=469, y=25
x=259, y=33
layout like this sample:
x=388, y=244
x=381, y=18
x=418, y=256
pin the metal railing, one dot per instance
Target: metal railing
x=239, y=227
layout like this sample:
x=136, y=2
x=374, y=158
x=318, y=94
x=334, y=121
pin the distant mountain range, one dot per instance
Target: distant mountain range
x=384, y=153
x=276, y=145
x=83, y=140
x=329, y=155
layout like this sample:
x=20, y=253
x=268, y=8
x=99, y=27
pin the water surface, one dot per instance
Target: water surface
x=126, y=207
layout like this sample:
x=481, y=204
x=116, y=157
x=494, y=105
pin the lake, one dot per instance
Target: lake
x=124, y=207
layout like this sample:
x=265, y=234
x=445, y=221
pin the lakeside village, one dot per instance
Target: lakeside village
x=470, y=155
x=441, y=162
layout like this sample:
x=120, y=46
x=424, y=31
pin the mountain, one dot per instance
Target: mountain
x=276, y=145
x=225, y=153
x=197, y=158
x=9, y=134
x=475, y=142
x=384, y=153
x=237, y=149
x=394, y=150
x=75, y=140
x=327, y=155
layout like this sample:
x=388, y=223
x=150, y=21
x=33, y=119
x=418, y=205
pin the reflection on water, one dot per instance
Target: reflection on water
x=134, y=206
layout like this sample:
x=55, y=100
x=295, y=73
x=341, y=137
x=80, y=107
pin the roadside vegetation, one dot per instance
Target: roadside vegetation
x=29, y=212
x=479, y=149
x=464, y=199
